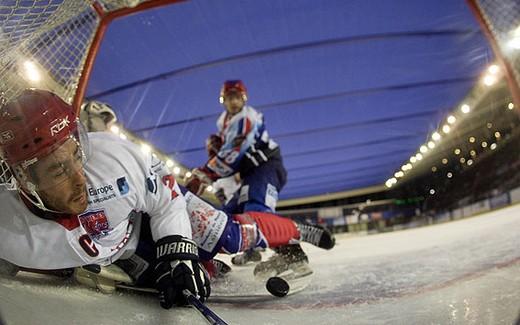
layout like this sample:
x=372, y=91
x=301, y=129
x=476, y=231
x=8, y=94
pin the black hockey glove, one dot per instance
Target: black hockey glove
x=178, y=268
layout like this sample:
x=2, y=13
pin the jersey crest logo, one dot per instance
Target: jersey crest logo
x=95, y=223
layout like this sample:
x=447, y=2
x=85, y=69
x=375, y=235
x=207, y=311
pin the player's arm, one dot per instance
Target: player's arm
x=236, y=141
x=177, y=265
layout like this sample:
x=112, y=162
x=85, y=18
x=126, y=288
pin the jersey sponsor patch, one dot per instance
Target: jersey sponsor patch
x=151, y=183
x=122, y=185
x=95, y=223
x=101, y=193
x=271, y=197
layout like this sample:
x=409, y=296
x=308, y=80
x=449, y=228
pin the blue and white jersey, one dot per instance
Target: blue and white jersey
x=238, y=132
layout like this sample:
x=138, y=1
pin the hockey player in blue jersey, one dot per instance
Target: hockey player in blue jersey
x=242, y=145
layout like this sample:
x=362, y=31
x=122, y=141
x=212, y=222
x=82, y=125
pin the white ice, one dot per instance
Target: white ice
x=460, y=272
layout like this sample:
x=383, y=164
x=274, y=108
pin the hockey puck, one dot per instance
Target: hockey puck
x=277, y=286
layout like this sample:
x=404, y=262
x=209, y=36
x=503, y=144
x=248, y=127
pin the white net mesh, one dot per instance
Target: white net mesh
x=44, y=44
x=503, y=19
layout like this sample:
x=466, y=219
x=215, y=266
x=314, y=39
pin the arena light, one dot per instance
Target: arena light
x=444, y=161
x=471, y=139
x=514, y=42
x=493, y=69
x=188, y=174
x=423, y=149
x=399, y=174
x=170, y=163
x=493, y=146
x=418, y=156
x=449, y=175
x=209, y=188
x=436, y=136
x=451, y=119
x=114, y=129
x=434, y=169
x=123, y=136
x=510, y=106
x=145, y=148
x=446, y=128
x=457, y=151
x=462, y=160
x=489, y=80
x=465, y=108
x=31, y=71
x=432, y=191
x=413, y=159
x=484, y=144
x=176, y=170
x=469, y=162
x=431, y=144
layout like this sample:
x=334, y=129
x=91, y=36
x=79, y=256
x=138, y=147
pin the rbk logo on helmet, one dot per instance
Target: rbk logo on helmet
x=56, y=128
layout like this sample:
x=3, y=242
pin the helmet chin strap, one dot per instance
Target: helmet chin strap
x=35, y=199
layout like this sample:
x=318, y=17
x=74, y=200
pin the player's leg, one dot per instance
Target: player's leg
x=259, y=192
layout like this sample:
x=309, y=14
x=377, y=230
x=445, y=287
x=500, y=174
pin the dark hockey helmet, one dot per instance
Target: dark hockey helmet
x=233, y=85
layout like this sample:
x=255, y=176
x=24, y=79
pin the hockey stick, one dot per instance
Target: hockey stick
x=213, y=318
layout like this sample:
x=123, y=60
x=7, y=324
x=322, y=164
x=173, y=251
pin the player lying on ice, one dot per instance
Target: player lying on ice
x=94, y=199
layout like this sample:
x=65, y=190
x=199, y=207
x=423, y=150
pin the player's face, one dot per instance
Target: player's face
x=60, y=179
x=233, y=101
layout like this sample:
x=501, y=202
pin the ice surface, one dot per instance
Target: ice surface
x=462, y=272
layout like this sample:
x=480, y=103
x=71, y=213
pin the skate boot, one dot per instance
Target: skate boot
x=246, y=257
x=216, y=269
x=287, y=259
x=316, y=235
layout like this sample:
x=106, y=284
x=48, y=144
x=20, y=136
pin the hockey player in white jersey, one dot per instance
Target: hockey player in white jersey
x=98, y=200
x=80, y=199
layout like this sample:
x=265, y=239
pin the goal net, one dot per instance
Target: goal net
x=50, y=44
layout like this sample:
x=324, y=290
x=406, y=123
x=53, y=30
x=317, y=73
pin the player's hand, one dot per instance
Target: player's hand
x=198, y=181
x=178, y=268
x=213, y=145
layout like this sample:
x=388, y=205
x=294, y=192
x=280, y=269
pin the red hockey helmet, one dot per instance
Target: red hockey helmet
x=233, y=85
x=33, y=125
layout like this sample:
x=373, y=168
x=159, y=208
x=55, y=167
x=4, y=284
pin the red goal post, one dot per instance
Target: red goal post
x=500, y=21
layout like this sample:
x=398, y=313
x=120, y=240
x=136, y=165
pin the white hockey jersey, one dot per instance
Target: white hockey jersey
x=122, y=183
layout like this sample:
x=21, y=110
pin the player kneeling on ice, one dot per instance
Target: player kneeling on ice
x=80, y=197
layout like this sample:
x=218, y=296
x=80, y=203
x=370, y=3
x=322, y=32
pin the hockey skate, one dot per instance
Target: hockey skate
x=246, y=257
x=316, y=235
x=288, y=260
